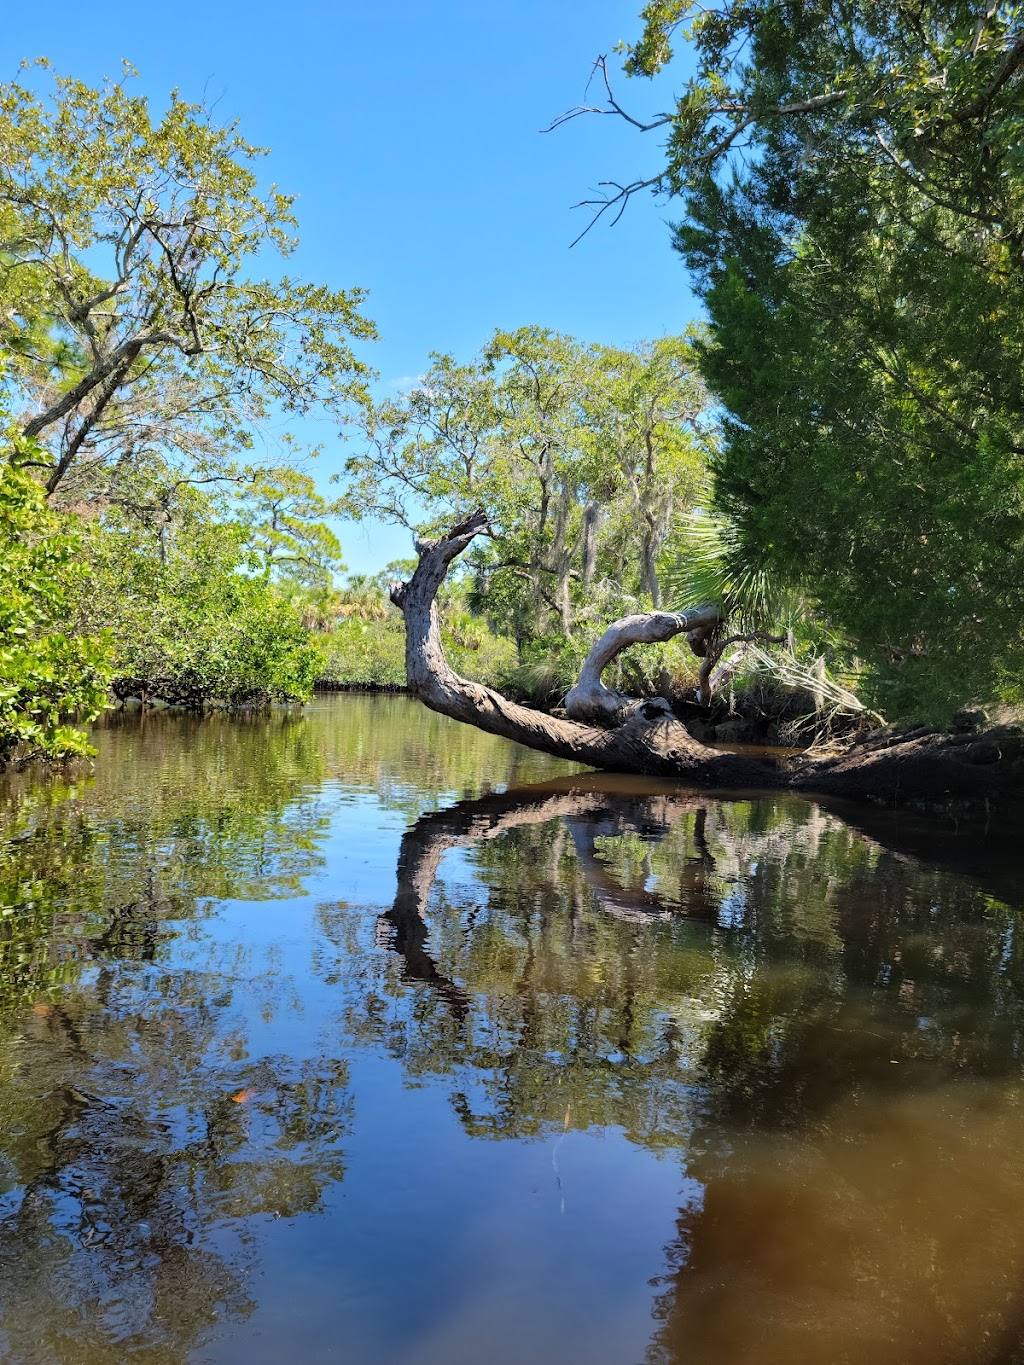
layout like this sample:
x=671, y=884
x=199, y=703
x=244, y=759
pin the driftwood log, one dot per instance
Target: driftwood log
x=607, y=730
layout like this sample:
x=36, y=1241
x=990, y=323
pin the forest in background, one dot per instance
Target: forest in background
x=834, y=456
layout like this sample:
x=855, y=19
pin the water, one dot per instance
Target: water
x=358, y=1036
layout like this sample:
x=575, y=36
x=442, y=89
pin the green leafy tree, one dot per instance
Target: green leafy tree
x=644, y=409
x=130, y=306
x=192, y=618
x=581, y=454
x=284, y=516
x=854, y=201
x=46, y=675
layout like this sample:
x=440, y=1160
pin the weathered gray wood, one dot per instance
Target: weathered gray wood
x=649, y=740
x=929, y=769
x=594, y=703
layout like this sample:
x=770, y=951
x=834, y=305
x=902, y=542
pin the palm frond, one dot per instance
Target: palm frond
x=704, y=561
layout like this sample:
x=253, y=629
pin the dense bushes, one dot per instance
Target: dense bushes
x=189, y=620
x=46, y=673
x=370, y=653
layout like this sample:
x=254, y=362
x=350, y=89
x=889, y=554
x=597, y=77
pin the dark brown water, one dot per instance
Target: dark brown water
x=359, y=1036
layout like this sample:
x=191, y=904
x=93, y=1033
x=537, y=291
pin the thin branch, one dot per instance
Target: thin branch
x=601, y=64
x=922, y=187
x=622, y=198
x=1014, y=60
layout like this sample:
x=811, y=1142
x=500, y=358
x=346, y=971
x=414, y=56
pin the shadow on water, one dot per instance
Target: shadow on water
x=275, y=1046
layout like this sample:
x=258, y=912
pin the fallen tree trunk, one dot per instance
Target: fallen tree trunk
x=607, y=730
x=590, y=701
x=645, y=736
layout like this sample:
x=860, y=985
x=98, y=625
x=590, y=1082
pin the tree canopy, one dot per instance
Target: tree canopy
x=853, y=189
x=135, y=313
x=142, y=351
x=582, y=455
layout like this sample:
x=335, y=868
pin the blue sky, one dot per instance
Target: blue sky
x=411, y=134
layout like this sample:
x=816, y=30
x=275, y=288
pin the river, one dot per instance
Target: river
x=355, y=1035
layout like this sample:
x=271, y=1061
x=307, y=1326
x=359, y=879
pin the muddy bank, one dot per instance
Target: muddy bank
x=331, y=685
x=922, y=769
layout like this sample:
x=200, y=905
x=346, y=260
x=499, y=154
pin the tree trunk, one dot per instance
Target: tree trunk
x=621, y=734
x=649, y=569
x=645, y=738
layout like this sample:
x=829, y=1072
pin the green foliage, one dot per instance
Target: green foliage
x=580, y=454
x=46, y=675
x=284, y=516
x=191, y=619
x=361, y=653
x=705, y=561
x=131, y=306
x=367, y=651
x=547, y=666
x=854, y=210
x=143, y=348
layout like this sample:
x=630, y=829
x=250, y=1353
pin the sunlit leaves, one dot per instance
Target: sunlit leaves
x=284, y=516
x=191, y=618
x=580, y=454
x=132, y=302
x=46, y=675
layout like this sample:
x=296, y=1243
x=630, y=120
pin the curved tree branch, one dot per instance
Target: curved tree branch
x=590, y=701
x=649, y=740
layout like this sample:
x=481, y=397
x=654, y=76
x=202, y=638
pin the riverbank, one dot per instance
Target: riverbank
x=931, y=771
x=922, y=769
x=327, y=686
x=966, y=770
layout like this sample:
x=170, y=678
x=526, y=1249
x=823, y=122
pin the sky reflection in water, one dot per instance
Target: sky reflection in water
x=314, y=1038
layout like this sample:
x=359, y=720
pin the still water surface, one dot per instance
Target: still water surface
x=358, y=1036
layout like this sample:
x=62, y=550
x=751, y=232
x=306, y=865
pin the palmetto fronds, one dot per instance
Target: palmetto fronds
x=704, y=561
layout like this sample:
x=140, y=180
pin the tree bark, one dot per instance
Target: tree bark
x=646, y=737
x=590, y=701
x=932, y=771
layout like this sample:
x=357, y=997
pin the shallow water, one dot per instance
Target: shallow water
x=357, y=1035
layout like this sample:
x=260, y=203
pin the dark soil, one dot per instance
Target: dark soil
x=923, y=769
x=327, y=685
x=766, y=713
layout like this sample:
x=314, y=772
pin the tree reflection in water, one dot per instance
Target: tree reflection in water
x=133, y=1157
x=824, y=1031
x=828, y=1032
x=139, y=1131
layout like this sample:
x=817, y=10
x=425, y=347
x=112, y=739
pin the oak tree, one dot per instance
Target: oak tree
x=132, y=299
